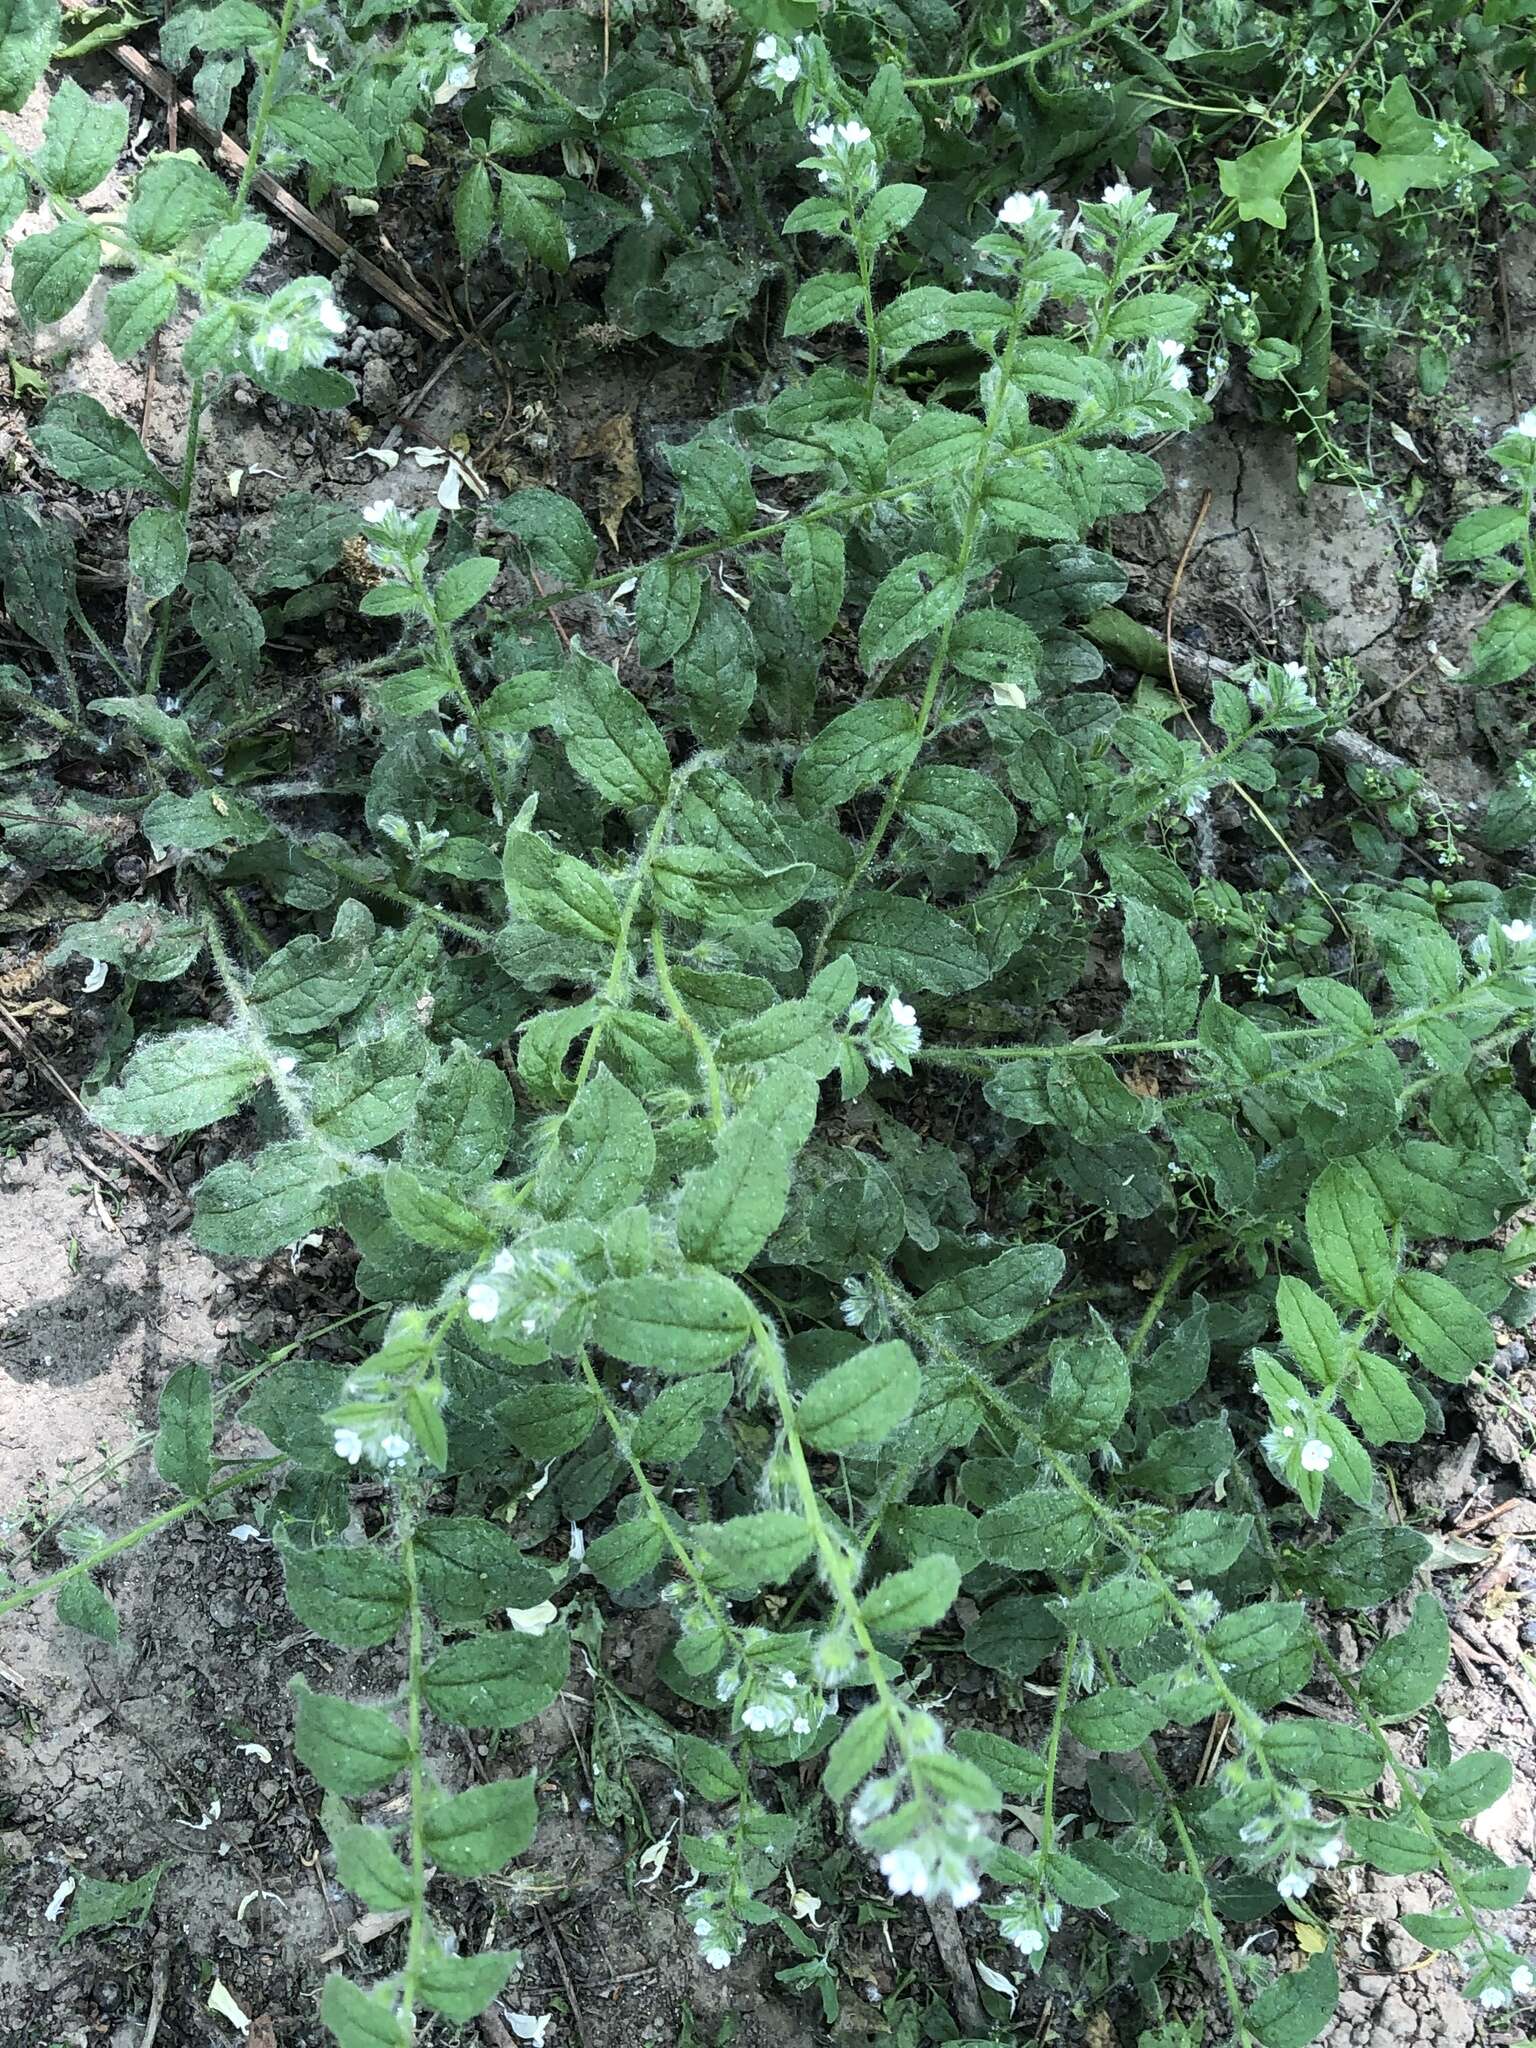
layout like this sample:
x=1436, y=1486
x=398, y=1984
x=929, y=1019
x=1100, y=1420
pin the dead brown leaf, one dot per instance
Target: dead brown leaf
x=612, y=442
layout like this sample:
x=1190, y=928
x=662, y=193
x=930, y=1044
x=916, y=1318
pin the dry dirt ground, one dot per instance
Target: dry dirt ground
x=173, y=1748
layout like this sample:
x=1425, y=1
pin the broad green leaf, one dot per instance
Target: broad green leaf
x=679, y=1322
x=181, y=1083
x=366, y=1863
x=157, y=551
x=813, y=558
x=1090, y=1391
x=1150, y=1903
x=859, y=1402
x=626, y=1553
x=50, y=274
x=498, y=1680
x=750, y=1551
x=1297, y=2006
x=554, y=531
x=669, y=1427
x=609, y=741
x=351, y=1750
x=548, y=1419
x=481, y=1830
x=603, y=1157
x=1259, y=179
x=666, y=605
x=1115, y=1718
x=81, y=440
x=914, y=1599
x=175, y=197
x=1447, y=1333
x=1348, y=1236
x=1046, y=1530
x=959, y=809
x=471, y=1568
x=184, y=1441
x=730, y=1208
x=325, y=140
x=560, y=894
x=353, y=1595
x=1468, y=1787
x=1403, y=1673
x=80, y=1603
x=900, y=942
x=462, y=1986
x=529, y=220
x=1162, y=972
x=246, y=1209
x=917, y=598
x=362, y=2019
x=28, y=31
x=82, y=140
x=857, y=750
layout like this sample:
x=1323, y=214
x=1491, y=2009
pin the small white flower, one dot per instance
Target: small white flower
x=1293, y=1885
x=1116, y=195
x=378, y=511
x=464, y=42
x=1519, y=933
x=759, y=1716
x=647, y=211
x=766, y=49
x=285, y=1063
x=482, y=1301
x=1019, y=209
x=1029, y=1941
x=395, y=1447
x=1441, y=141
x=1170, y=351
x=332, y=318
x=787, y=68
x=1296, y=670
x=1331, y=1854
x=1493, y=1996
x=963, y=1892
x=277, y=339
x=1522, y=1980
x=823, y=135
x=854, y=133
x=904, y=1871
x=1316, y=1456
x=718, y=1958
x=349, y=1445
x=1526, y=424
x=530, y=2026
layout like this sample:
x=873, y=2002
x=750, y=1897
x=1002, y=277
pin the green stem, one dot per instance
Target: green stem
x=978, y=72
x=256, y=133
x=940, y=659
x=618, y=970
x=184, y=505
x=1216, y=1934
x=416, y=1940
x=701, y=1045
x=448, y=663
x=653, y=1504
x=105, y=1552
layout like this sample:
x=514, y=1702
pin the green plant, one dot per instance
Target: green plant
x=838, y=859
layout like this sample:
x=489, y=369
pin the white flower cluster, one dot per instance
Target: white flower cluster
x=773, y=1701
x=715, y=1929
x=892, y=1035
x=1028, y=1924
x=1281, y=690
x=781, y=63
x=299, y=329
x=1281, y=1828
x=845, y=156
x=381, y=1443
x=531, y=1285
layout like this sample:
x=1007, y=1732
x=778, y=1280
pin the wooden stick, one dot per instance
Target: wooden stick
x=229, y=152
